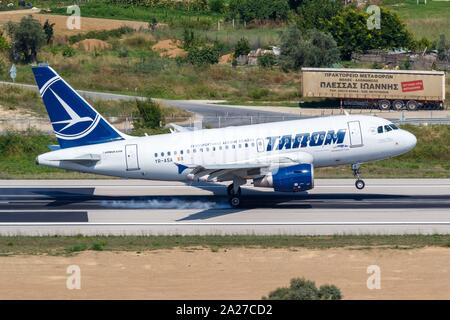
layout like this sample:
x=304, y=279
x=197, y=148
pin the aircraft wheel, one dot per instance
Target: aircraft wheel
x=235, y=201
x=360, y=184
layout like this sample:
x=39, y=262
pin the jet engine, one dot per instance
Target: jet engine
x=299, y=177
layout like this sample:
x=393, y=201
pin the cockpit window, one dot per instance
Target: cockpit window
x=380, y=129
x=393, y=126
x=387, y=128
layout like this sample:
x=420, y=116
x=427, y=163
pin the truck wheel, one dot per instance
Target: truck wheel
x=412, y=105
x=398, y=105
x=384, y=104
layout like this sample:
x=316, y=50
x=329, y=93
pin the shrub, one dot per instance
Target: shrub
x=302, y=289
x=101, y=34
x=267, y=60
x=150, y=115
x=4, y=45
x=204, y=55
x=314, y=49
x=68, y=51
x=242, y=47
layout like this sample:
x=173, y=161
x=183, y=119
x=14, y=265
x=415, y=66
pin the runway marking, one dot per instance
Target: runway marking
x=310, y=223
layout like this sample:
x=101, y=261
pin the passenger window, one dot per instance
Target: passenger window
x=156, y=155
x=214, y=149
x=220, y=147
x=380, y=129
x=387, y=128
x=174, y=153
x=181, y=151
x=246, y=145
x=162, y=154
x=233, y=146
x=194, y=151
x=168, y=153
x=207, y=149
x=188, y=151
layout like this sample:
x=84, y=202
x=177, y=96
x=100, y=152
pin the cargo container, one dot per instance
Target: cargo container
x=383, y=89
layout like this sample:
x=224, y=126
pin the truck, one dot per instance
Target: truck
x=377, y=88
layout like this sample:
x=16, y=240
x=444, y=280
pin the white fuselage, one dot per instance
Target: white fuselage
x=311, y=140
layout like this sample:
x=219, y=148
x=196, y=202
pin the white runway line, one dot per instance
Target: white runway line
x=308, y=223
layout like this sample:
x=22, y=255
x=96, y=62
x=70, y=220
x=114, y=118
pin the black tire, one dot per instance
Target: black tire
x=230, y=190
x=235, y=201
x=384, y=105
x=360, y=184
x=412, y=105
x=398, y=105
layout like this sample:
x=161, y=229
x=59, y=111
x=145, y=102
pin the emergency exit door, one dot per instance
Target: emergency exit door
x=131, y=157
x=354, y=129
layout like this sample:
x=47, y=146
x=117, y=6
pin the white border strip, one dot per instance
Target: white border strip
x=180, y=224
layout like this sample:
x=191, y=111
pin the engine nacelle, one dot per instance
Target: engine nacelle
x=295, y=178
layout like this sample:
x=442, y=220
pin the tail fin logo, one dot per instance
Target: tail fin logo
x=75, y=126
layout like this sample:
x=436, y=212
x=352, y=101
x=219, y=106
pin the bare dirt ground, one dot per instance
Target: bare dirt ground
x=238, y=273
x=87, y=24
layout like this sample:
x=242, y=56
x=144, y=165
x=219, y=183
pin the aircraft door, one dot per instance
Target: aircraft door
x=354, y=128
x=131, y=157
x=260, y=145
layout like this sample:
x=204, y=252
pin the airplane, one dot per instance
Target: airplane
x=278, y=155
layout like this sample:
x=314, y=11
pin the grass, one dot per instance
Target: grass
x=171, y=16
x=427, y=21
x=68, y=245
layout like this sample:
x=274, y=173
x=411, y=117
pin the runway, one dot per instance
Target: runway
x=133, y=207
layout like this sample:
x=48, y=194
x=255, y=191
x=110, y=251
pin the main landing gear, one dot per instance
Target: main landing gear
x=359, y=184
x=234, y=195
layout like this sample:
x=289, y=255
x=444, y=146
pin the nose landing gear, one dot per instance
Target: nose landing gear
x=359, y=184
x=234, y=195
x=234, y=192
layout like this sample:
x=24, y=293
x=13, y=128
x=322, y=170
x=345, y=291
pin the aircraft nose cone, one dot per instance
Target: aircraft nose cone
x=409, y=140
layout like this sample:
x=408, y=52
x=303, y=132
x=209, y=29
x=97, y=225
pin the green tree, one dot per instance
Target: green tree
x=242, y=47
x=314, y=14
x=150, y=115
x=311, y=49
x=27, y=39
x=349, y=29
x=259, y=10
x=302, y=289
x=216, y=6
x=48, y=30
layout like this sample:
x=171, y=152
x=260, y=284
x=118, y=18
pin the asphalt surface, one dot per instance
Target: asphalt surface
x=145, y=207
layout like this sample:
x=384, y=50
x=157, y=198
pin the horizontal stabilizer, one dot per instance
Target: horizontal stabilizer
x=84, y=157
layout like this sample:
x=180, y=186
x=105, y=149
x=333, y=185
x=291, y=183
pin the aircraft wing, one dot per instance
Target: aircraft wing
x=176, y=128
x=222, y=172
x=226, y=171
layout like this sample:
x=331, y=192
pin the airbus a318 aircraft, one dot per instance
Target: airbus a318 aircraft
x=278, y=155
